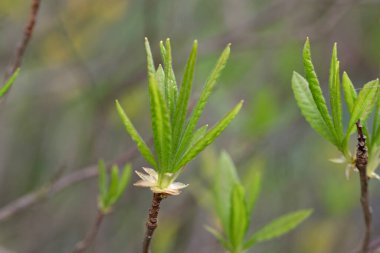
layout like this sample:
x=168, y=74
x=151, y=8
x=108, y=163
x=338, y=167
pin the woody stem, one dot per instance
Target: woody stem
x=152, y=221
x=361, y=165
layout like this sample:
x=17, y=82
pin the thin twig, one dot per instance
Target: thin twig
x=32, y=198
x=151, y=223
x=84, y=244
x=361, y=165
x=28, y=31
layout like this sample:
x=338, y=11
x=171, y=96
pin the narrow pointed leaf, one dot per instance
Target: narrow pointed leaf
x=225, y=180
x=142, y=147
x=184, y=96
x=278, y=227
x=198, y=109
x=210, y=136
x=315, y=89
x=124, y=179
x=9, y=82
x=198, y=135
x=335, y=96
x=238, y=217
x=253, y=189
x=161, y=126
x=149, y=57
x=308, y=107
x=170, y=83
x=376, y=118
x=102, y=180
x=160, y=77
x=363, y=106
x=349, y=92
x=114, y=183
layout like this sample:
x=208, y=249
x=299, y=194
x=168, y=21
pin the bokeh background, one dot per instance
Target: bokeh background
x=60, y=117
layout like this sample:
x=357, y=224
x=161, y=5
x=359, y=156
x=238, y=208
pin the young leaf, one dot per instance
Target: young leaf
x=210, y=136
x=8, y=84
x=375, y=124
x=124, y=179
x=210, y=83
x=197, y=136
x=238, y=217
x=308, y=107
x=225, y=179
x=170, y=83
x=363, y=106
x=114, y=185
x=278, y=227
x=149, y=57
x=142, y=147
x=315, y=89
x=102, y=179
x=254, y=179
x=162, y=133
x=335, y=96
x=349, y=92
x=160, y=77
x=184, y=95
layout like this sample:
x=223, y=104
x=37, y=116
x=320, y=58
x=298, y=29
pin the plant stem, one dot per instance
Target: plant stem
x=28, y=31
x=90, y=237
x=151, y=223
x=361, y=165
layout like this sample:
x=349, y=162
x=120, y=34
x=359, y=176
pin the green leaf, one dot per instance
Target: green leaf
x=363, y=106
x=335, y=96
x=160, y=77
x=278, y=227
x=184, y=95
x=198, y=135
x=8, y=84
x=162, y=133
x=225, y=180
x=253, y=188
x=102, y=180
x=149, y=57
x=207, y=89
x=349, y=92
x=170, y=83
x=238, y=217
x=210, y=136
x=316, y=91
x=142, y=147
x=124, y=179
x=376, y=116
x=114, y=185
x=308, y=107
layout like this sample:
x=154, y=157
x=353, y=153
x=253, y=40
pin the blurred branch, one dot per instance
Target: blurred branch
x=90, y=237
x=44, y=192
x=28, y=31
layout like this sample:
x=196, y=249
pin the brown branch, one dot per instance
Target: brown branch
x=84, y=244
x=44, y=192
x=361, y=165
x=151, y=224
x=28, y=31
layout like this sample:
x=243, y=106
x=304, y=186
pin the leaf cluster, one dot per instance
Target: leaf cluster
x=234, y=203
x=111, y=189
x=176, y=138
x=310, y=99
